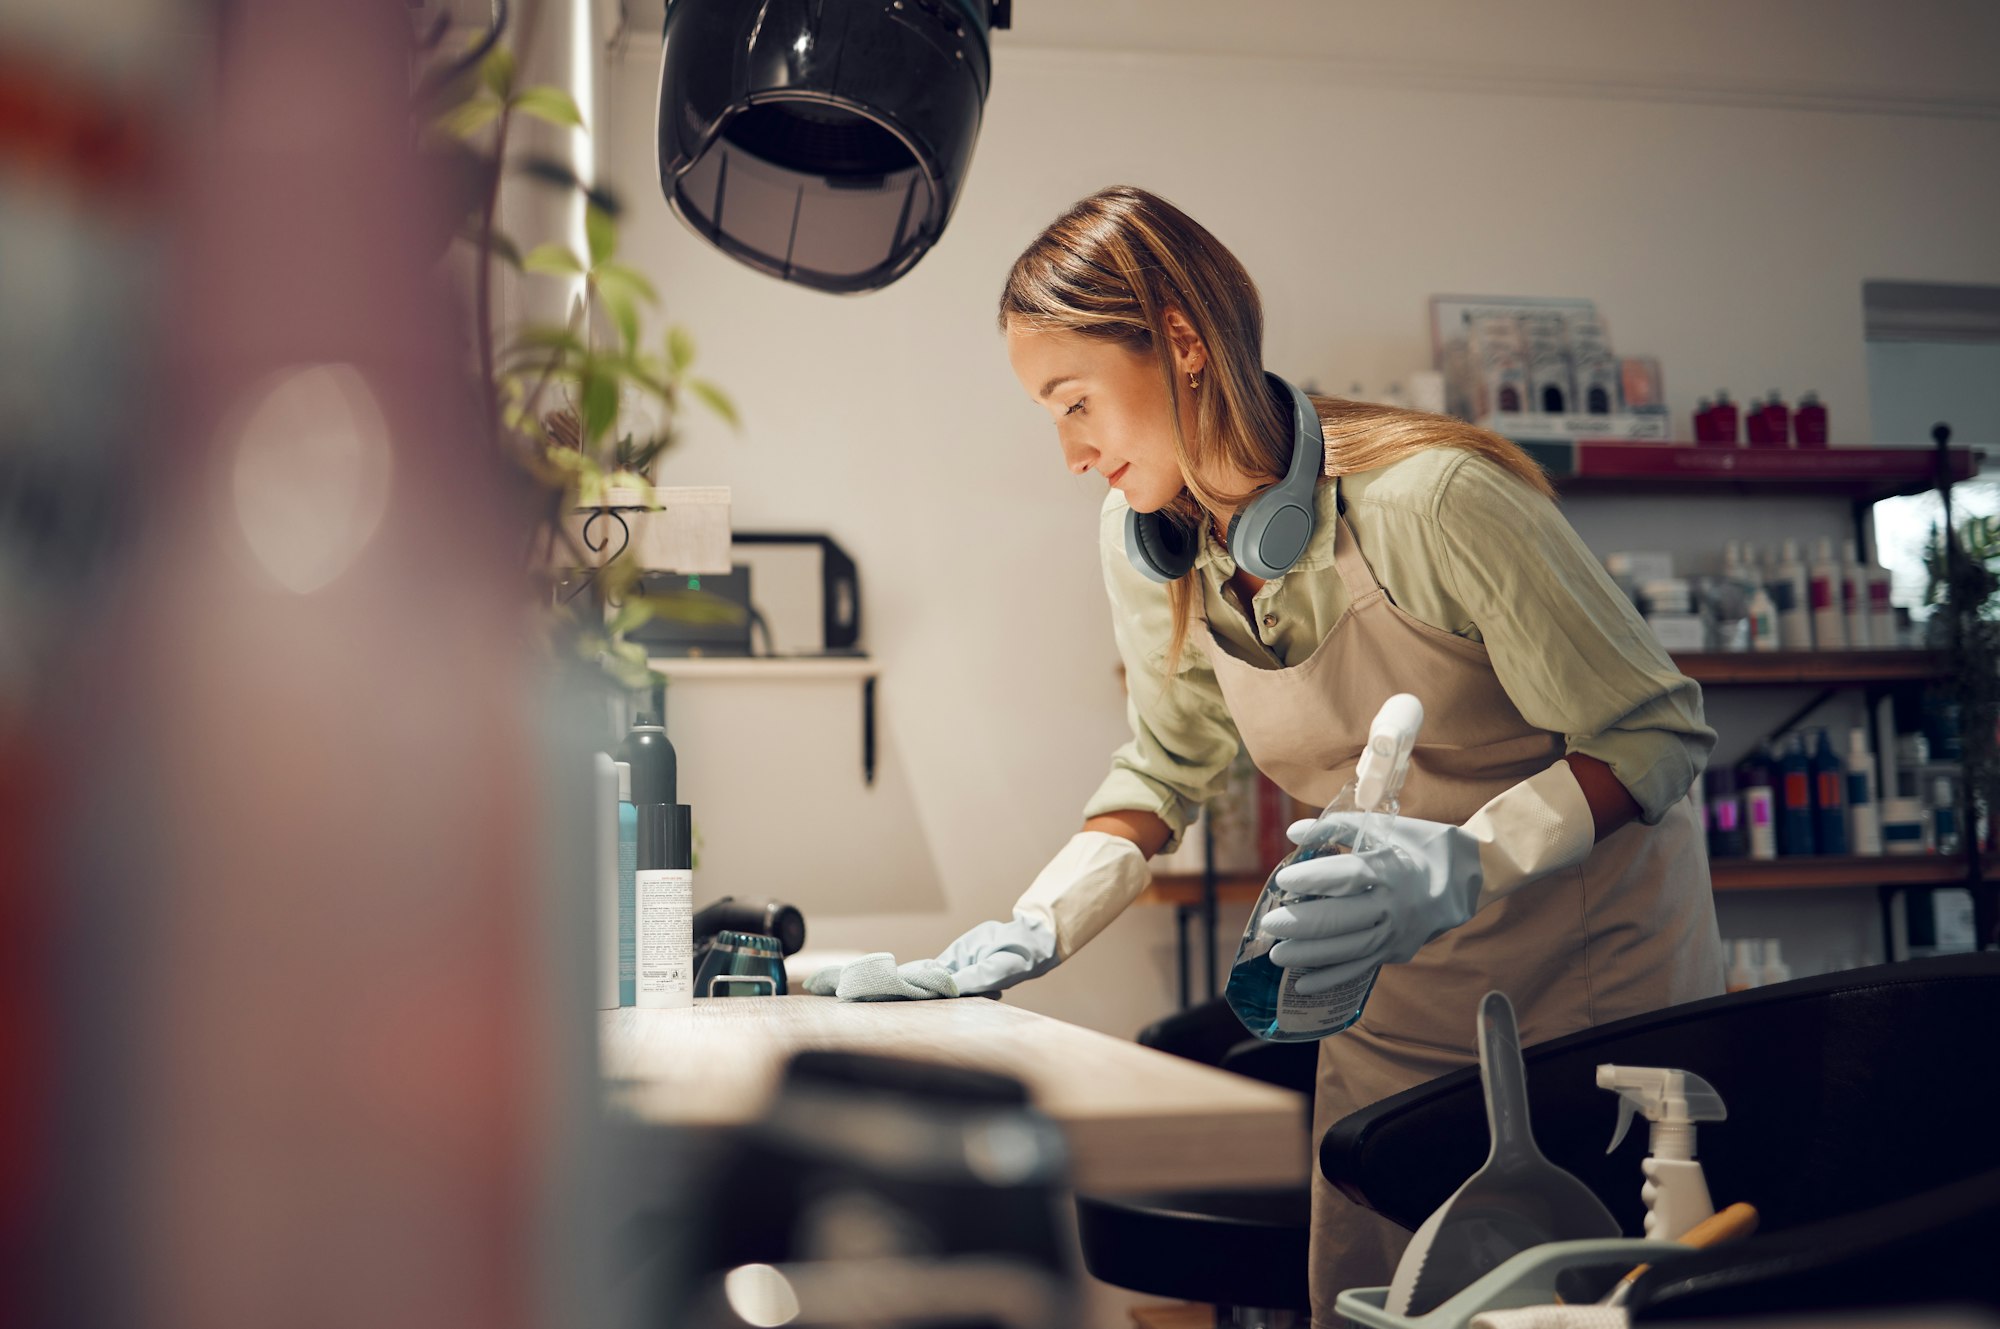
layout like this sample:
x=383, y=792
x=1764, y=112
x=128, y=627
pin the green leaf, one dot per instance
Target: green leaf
x=623, y=313
x=680, y=350
x=551, y=105
x=468, y=117
x=598, y=407
x=553, y=260
x=676, y=605
x=496, y=71
x=623, y=479
x=601, y=232
x=716, y=400
x=627, y=278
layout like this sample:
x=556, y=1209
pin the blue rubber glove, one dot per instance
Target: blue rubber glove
x=994, y=956
x=1372, y=908
x=1074, y=898
x=1422, y=878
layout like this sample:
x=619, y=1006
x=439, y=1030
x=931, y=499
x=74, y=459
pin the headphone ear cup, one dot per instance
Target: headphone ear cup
x=1160, y=547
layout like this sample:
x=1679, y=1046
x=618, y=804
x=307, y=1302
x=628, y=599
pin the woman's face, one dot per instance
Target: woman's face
x=1111, y=416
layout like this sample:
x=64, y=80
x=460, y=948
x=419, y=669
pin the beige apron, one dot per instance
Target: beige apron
x=1630, y=931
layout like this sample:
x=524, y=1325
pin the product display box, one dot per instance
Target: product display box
x=1542, y=369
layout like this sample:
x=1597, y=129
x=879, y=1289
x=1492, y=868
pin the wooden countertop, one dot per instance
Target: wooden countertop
x=1135, y=1119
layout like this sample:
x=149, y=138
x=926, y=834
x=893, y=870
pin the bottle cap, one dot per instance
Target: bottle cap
x=624, y=780
x=1857, y=742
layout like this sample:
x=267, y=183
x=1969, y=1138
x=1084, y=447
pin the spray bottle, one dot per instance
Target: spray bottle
x=1675, y=1191
x=1264, y=996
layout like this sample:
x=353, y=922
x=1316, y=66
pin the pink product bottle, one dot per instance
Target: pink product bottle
x=1809, y=425
x=1723, y=418
x=1777, y=421
x=1753, y=424
x=1704, y=421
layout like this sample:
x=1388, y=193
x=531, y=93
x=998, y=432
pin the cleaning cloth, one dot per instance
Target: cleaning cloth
x=878, y=977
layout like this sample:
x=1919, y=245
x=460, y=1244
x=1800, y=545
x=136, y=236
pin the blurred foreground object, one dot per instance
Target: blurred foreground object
x=318, y=1034
x=883, y=1192
x=87, y=106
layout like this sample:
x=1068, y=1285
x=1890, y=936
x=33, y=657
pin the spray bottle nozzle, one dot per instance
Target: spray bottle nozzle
x=1662, y=1096
x=1385, y=761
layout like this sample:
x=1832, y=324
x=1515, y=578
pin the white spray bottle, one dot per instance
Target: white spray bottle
x=1675, y=1191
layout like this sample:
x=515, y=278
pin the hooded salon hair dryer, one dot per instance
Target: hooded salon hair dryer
x=822, y=141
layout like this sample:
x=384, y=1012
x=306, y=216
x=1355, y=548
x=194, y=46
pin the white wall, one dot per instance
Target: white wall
x=1723, y=218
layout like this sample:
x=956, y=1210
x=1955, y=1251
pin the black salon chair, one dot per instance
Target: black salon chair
x=1846, y=1092
x=1241, y=1250
x=1857, y=1101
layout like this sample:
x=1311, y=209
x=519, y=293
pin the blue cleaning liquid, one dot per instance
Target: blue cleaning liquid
x=1265, y=997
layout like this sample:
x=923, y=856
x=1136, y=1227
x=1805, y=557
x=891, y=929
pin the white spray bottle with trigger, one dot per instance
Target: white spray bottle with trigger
x=1675, y=1191
x=1264, y=997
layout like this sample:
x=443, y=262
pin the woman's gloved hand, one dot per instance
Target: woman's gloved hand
x=995, y=955
x=1083, y=888
x=1375, y=907
x=1423, y=878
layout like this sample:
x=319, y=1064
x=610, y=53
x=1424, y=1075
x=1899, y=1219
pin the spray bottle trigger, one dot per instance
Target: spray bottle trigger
x=1626, y=1110
x=1703, y=1102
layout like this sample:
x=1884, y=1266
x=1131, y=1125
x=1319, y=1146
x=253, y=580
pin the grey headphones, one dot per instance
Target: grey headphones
x=1267, y=534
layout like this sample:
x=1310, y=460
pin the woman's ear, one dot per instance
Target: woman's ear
x=1190, y=355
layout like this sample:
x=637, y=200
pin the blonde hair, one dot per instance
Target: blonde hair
x=1115, y=264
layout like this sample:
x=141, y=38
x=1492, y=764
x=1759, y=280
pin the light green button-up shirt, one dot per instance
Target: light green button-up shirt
x=1459, y=544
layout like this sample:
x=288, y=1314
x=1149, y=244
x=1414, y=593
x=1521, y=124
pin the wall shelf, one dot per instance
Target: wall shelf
x=1811, y=668
x=1779, y=874
x=1821, y=872
x=785, y=668
x=765, y=668
x=1184, y=888
x=1863, y=474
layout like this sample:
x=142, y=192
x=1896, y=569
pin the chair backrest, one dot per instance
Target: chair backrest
x=1844, y=1091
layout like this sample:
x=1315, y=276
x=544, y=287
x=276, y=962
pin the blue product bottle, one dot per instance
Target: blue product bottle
x=628, y=867
x=1829, y=797
x=1265, y=997
x=1795, y=804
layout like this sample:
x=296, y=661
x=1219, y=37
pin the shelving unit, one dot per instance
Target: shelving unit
x=1860, y=476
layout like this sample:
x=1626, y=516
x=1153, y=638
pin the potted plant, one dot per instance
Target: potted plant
x=587, y=408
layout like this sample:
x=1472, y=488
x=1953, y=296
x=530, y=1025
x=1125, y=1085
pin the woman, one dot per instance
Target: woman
x=1547, y=845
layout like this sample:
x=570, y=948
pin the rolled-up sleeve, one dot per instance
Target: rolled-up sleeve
x=1183, y=740
x=1566, y=643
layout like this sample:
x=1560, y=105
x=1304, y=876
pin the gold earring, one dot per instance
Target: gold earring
x=1194, y=383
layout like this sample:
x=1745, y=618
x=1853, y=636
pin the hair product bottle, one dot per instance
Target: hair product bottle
x=1854, y=598
x=1795, y=603
x=1760, y=804
x=1809, y=425
x=1829, y=797
x=1864, y=817
x=628, y=867
x=1795, y=803
x=1829, y=623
